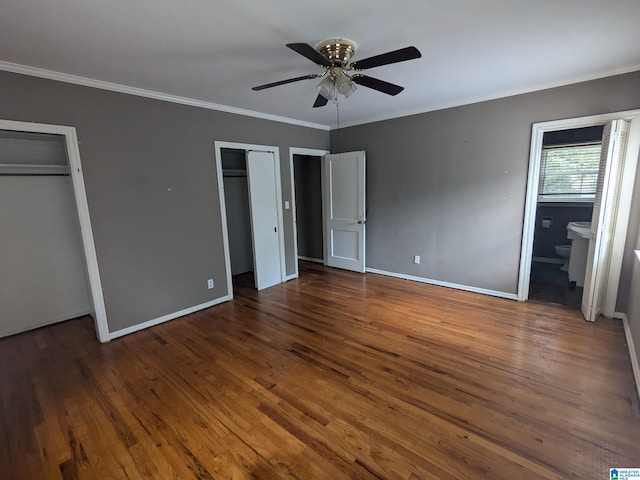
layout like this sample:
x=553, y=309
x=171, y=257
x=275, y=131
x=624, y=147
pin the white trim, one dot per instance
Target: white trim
x=298, y=151
x=223, y=217
x=293, y=276
x=484, y=98
x=633, y=355
x=166, y=318
x=537, y=132
x=621, y=223
x=219, y=145
x=42, y=323
x=309, y=259
x=280, y=212
x=550, y=199
x=141, y=92
x=456, y=286
x=637, y=252
x=80, y=194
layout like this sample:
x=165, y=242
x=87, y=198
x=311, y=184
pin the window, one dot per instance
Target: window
x=569, y=172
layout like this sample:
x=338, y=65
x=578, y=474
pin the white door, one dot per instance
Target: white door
x=263, y=205
x=603, y=220
x=343, y=205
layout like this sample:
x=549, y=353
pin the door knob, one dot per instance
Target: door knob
x=361, y=222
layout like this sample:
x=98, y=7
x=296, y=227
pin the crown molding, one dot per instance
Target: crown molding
x=141, y=92
x=484, y=98
x=117, y=87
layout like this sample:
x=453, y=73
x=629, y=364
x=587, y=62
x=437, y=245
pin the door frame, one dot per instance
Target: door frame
x=533, y=179
x=218, y=146
x=82, y=210
x=312, y=153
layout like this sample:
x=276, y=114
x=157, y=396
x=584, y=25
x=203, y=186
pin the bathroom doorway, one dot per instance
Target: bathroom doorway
x=566, y=193
x=607, y=234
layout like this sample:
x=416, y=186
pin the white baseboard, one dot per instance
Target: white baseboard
x=309, y=259
x=557, y=261
x=290, y=277
x=166, y=318
x=15, y=329
x=483, y=291
x=635, y=365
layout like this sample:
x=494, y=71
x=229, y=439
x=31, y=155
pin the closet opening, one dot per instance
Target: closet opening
x=251, y=203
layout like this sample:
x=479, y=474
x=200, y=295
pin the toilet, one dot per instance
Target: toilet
x=564, y=251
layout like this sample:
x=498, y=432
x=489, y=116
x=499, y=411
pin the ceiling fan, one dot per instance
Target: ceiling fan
x=339, y=75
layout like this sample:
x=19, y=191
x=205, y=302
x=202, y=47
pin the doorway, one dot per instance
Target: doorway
x=306, y=187
x=617, y=207
x=75, y=209
x=566, y=192
x=251, y=209
x=338, y=211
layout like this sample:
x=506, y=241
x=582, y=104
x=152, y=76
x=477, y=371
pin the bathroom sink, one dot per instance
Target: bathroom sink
x=580, y=234
x=579, y=229
x=581, y=224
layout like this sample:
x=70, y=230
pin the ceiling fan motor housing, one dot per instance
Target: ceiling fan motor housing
x=337, y=50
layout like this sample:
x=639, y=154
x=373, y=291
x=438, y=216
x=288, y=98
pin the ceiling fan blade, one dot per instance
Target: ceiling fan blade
x=404, y=54
x=284, y=82
x=379, y=85
x=311, y=53
x=320, y=101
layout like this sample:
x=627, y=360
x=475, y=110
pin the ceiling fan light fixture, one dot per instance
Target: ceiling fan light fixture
x=345, y=85
x=327, y=88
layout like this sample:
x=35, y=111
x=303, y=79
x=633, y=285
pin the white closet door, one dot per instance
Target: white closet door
x=263, y=203
x=603, y=220
x=343, y=186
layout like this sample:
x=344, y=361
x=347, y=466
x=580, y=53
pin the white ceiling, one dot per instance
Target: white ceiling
x=214, y=51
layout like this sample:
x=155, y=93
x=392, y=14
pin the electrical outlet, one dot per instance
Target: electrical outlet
x=210, y=283
x=416, y=259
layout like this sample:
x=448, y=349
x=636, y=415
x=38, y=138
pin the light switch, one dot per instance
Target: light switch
x=286, y=204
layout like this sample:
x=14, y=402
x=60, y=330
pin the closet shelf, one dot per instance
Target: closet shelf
x=35, y=170
x=227, y=172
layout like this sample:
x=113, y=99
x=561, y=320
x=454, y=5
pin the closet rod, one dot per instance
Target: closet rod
x=233, y=173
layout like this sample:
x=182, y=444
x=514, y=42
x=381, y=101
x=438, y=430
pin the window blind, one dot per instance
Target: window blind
x=569, y=170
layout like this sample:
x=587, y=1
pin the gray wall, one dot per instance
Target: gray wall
x=446, y=185
x=151, y=184
x=629, y=293
x=450, y=185
x=545, y=239
x=633, y=309
x=308, y=185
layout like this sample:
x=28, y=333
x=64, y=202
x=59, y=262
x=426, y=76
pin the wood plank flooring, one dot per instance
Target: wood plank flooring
x=334, y=376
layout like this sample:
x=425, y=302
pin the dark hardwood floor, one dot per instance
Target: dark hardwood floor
x=551, y=285
x=334, y=376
